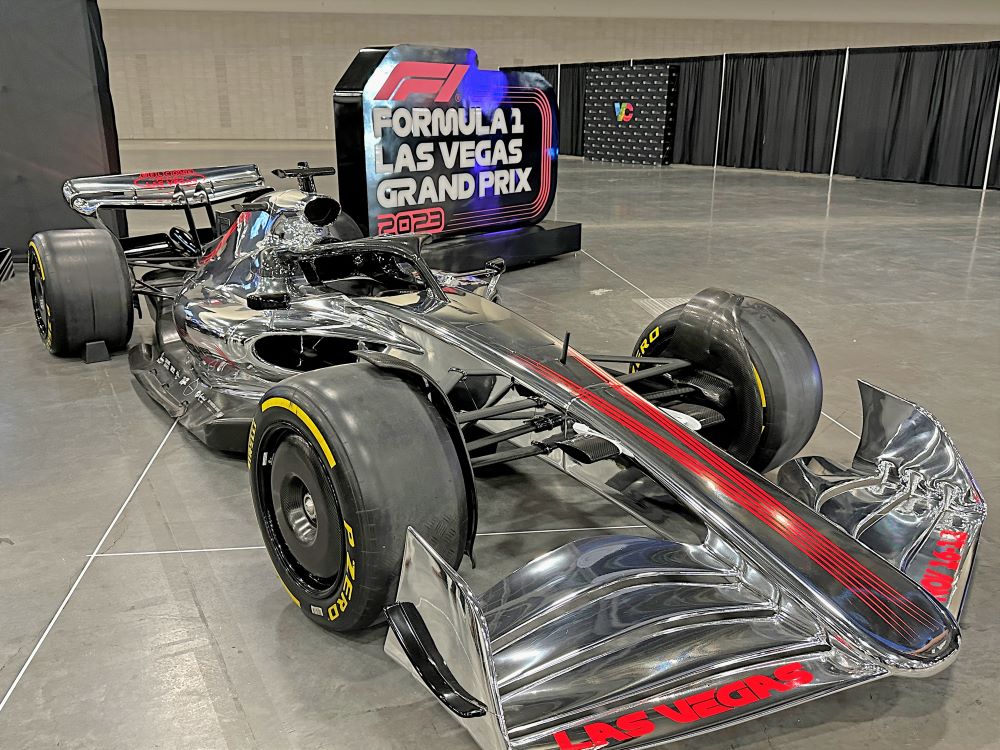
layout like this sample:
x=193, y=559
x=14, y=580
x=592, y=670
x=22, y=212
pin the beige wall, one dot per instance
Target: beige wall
x=230, y=75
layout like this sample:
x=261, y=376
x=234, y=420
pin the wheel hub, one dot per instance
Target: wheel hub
x=309, y=506
x=305, y=509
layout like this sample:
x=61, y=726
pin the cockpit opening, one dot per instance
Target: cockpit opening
x=369, y=274
x=304, y=353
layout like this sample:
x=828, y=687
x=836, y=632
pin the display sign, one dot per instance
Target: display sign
x=428, y=142
x=629, y=113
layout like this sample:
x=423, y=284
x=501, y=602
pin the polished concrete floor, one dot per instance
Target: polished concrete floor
x=176, y=634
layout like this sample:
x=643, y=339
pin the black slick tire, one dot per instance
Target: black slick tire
x=788, y=376
x=342, y=461
x=81, y=290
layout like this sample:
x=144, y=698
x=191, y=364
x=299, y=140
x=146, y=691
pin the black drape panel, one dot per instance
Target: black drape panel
x=698, y=84
x=920, y=114
x=995, y=164
x=572, y=93
x=56, y=120
x=115, y=220
x=780, y=111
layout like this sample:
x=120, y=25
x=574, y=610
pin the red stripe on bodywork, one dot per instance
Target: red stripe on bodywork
x=242, y=219
x=800, y=525
x=883, y=600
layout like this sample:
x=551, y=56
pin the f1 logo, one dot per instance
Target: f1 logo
x=623, y=111
x=410, y=77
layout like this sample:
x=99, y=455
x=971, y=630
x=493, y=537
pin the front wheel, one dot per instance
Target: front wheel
x=342, y=461
x=783, y=375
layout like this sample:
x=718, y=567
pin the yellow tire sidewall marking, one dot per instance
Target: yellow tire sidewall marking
x=644, y=345
x=347, y=588
x=284, y=403
x=38, y=259
x=760, y=387
x=48, y=325
x=339, y=605
x=253, y=434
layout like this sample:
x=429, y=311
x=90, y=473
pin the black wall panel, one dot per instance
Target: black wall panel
x=630, y=114
x=572, y=93
x=780, y=111
x=56, y=120
x=920, y=114
x=698, y=83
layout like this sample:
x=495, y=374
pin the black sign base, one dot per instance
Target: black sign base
x=518, y=247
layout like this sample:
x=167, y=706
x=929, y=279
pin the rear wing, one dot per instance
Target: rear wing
x=172, y=188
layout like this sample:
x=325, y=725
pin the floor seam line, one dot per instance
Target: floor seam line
x=601, y=263
x=841, y=425
x=86, y=567
x=177, y=551
x=139, y=553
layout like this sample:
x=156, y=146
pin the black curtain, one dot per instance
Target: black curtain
x=995, y=164
x=697, y=105
x=698, y=82
x=920, y=114
x=572, y=94
x=115, y=219
x=56, y=120
x=780, y=111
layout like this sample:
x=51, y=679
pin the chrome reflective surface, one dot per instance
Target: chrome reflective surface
x=86, y=195
x=456, y=621
x=908, y=495
x=640, y=641
x=205, y=363
x=773, y=602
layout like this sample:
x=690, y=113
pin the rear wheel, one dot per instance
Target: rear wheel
x=81, y=289
x=342, y=461
x=785, y=372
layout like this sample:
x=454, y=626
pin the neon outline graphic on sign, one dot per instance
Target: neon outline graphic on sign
x=473, y=149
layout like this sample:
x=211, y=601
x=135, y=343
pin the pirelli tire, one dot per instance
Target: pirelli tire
x=342, y=460
x=787, y=376
x=81, y=290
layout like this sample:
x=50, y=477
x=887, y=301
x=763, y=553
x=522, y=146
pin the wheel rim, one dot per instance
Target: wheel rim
x=305, y=524
x=38, y=302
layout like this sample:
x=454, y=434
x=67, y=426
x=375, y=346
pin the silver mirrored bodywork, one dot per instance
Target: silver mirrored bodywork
x=627, y=639
x=161, y=189
x=908, y=495
x=641, y=641
x=754, y=596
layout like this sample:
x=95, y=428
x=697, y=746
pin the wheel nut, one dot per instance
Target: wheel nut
x=309, y=506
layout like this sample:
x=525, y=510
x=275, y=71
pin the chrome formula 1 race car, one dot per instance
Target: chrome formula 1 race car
x=367, y=390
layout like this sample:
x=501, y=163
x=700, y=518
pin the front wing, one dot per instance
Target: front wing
x=634, y=642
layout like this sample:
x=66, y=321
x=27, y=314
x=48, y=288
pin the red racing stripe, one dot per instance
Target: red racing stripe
x=883, y=600
x=706, y=453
